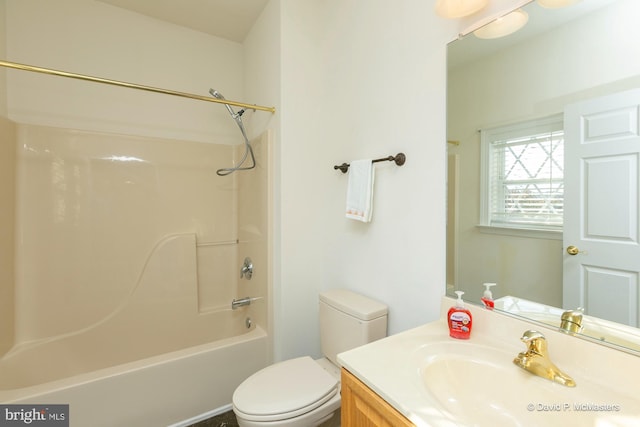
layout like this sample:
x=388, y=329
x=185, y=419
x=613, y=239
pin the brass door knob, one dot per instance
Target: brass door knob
x=572, y=250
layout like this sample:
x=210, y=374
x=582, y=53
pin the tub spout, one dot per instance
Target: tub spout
x=241, y=302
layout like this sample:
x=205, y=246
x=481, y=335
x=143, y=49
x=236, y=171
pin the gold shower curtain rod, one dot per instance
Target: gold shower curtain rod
x=25, y=67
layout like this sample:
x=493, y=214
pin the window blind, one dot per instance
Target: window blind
x=526, y=175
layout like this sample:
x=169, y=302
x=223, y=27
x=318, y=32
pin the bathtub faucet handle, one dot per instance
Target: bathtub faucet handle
x=247, y=268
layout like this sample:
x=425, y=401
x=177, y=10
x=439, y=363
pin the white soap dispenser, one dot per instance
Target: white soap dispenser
x=487, y=297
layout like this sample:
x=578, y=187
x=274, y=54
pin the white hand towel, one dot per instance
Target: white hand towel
x=360, y=190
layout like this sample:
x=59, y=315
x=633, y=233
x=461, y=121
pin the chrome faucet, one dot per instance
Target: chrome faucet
x=571, y=321
x=241, y=302
x=536, y=359
x=236, y=303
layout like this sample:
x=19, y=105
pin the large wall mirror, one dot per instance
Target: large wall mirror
x=561, y=61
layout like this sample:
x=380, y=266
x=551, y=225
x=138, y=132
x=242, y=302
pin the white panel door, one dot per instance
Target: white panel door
x=602, y=147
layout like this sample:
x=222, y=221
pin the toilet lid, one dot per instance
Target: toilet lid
x=286, y=389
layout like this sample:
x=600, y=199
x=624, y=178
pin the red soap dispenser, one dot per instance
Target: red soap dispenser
x=487, y=297
x=459, y=319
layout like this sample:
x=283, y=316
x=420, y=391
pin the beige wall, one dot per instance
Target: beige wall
x=7, y=227
x=360, y=82
x=7, y=206
x=94, y=38
x=355, y=82
x=3, y=73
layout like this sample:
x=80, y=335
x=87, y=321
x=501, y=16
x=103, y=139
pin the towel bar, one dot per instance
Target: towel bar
x=399, y=158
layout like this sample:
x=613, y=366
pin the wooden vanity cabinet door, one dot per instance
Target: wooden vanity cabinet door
x=362, y=407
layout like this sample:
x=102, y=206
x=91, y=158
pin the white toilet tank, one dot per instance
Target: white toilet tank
x=349, y=320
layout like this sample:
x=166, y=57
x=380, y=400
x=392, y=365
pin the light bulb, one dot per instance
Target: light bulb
x=458, y=8
x=503, y=26
x=556, y=4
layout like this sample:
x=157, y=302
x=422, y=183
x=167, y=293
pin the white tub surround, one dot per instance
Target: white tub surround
x=126, y=268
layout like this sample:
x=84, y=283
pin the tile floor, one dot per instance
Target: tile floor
x=228, y=419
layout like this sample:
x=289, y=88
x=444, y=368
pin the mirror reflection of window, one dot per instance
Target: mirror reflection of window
x=523, y=175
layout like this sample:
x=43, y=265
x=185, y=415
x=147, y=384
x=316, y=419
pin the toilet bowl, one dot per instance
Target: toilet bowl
x=299, y=392
x=303, y=392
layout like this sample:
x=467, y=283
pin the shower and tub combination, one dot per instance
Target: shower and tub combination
x=129, y=302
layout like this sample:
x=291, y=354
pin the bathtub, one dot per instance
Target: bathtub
x=162, y=390
x=154, y=361
x=124, y=282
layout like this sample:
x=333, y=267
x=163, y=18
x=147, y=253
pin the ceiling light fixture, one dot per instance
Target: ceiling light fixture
x=556, y=4
x=458, y=8
x=503, y=26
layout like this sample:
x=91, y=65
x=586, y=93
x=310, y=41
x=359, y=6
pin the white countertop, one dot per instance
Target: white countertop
x=391, y=367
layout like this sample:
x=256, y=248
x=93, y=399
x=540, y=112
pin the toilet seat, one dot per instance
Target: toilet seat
x=285, y=390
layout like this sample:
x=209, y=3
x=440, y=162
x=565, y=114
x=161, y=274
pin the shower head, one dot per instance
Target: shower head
x=218, y=95
x=237, y=117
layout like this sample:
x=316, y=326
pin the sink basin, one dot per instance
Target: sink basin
x=480, y=385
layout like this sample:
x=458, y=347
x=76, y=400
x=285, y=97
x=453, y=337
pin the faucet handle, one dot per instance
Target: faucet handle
x=536, y=342
x=531, y=335
x=570, y=314
x=247, y=269
x=571, y=320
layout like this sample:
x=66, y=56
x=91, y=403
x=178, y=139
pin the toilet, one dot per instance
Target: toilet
x=304, y=392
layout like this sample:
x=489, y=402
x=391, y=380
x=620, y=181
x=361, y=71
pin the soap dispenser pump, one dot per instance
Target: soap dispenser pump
x=459, y=319
x=487, y=297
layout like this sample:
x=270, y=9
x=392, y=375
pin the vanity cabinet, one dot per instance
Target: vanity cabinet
x=362, y=407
